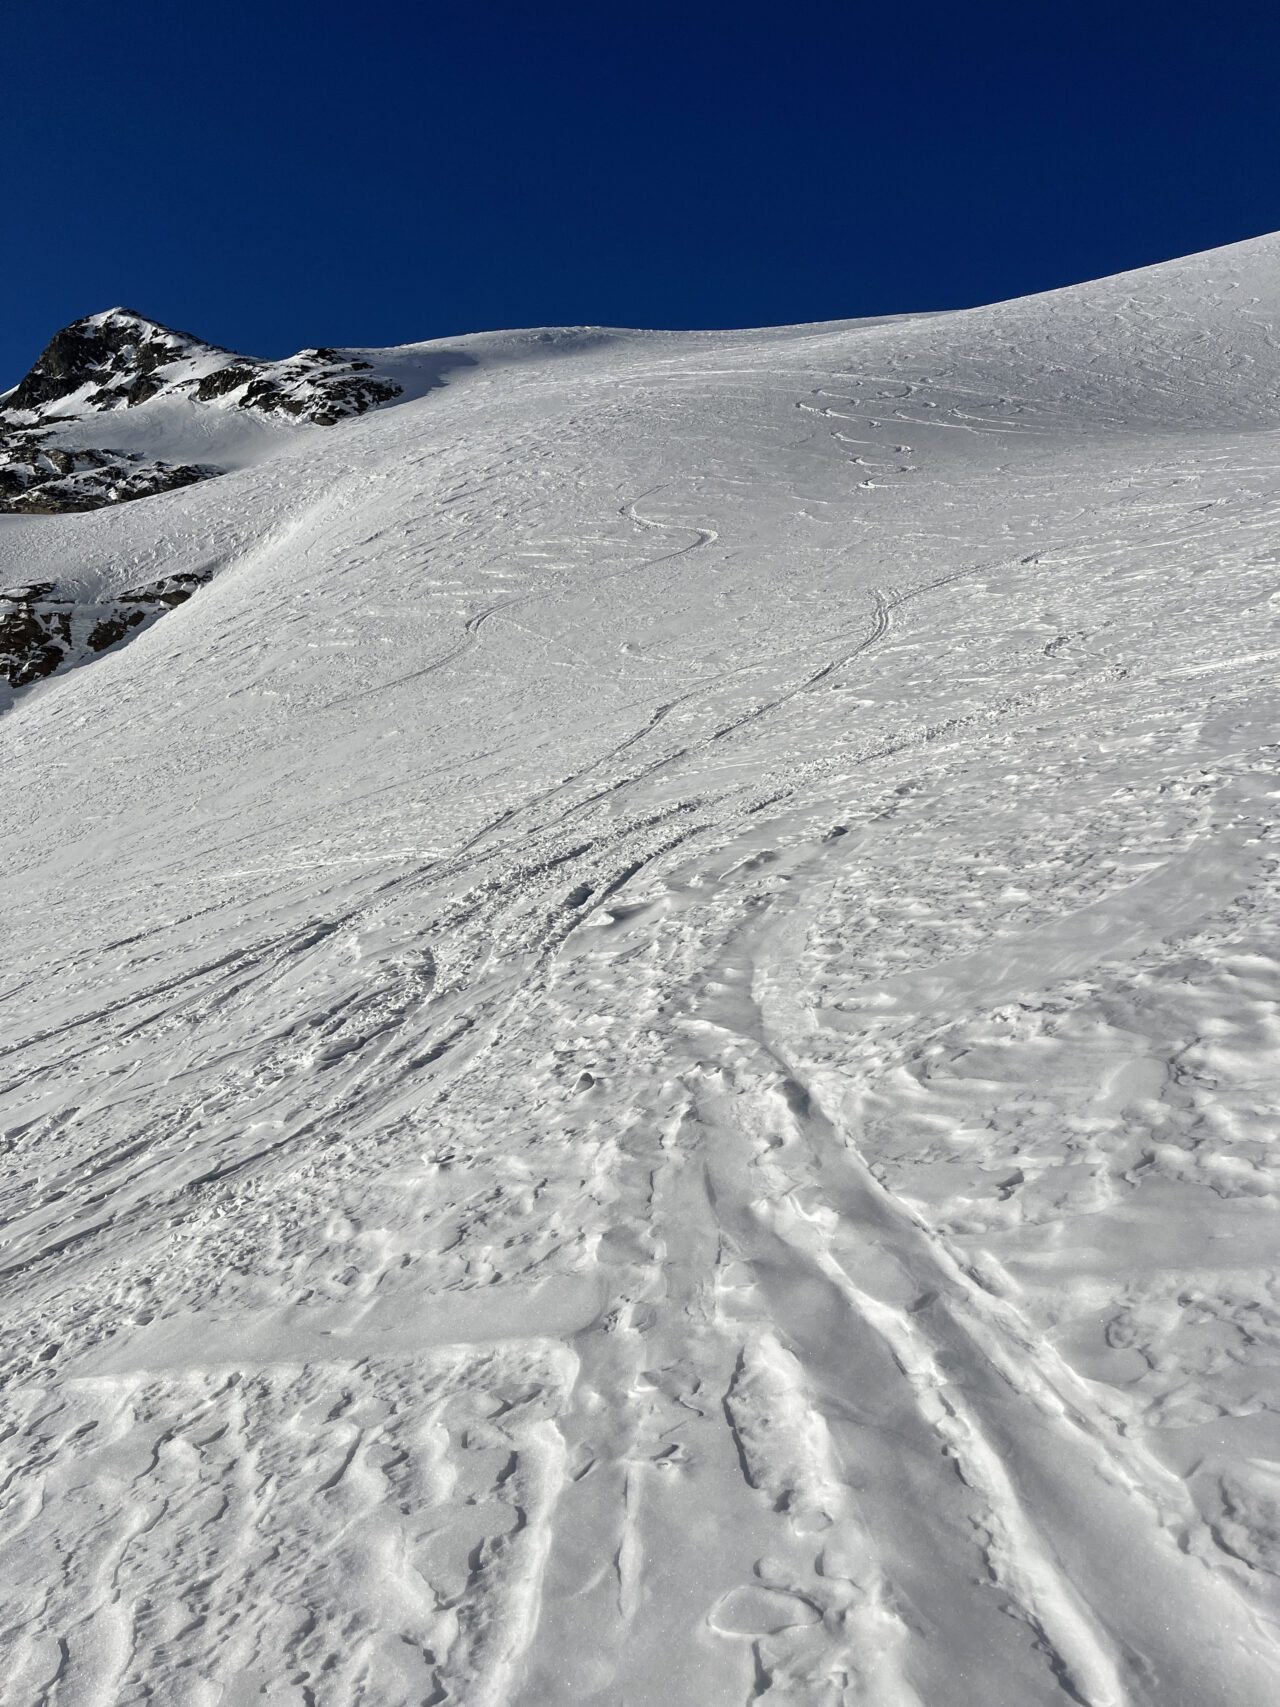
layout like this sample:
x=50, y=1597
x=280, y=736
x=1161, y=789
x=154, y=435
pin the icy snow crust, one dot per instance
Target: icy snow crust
x=639, y=1053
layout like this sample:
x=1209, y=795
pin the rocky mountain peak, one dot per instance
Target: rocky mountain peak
x=53, y=456
x=117, y=353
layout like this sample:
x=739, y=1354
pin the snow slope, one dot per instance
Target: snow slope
x=638, y=1054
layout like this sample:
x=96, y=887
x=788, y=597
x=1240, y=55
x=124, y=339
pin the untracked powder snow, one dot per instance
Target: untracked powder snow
x=639, y=1049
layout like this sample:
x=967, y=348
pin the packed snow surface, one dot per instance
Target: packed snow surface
x=638, y=1055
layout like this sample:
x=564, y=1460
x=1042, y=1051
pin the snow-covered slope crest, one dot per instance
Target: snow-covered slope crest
x=638, y=1055
x=56, y=455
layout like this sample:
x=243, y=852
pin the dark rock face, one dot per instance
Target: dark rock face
x=116, y=351
x=122, y=360
x=113, y=628
x=43, y=631
x=222, y=380
x=337, y=396
x=35, y=633
x=41, y=479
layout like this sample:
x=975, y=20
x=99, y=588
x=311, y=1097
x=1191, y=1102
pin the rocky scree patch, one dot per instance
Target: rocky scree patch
x=43, y=631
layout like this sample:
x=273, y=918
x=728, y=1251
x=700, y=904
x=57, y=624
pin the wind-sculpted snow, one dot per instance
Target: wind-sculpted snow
x=639, y=1054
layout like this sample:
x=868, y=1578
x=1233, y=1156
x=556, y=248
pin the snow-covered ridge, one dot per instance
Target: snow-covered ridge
x=121, y=360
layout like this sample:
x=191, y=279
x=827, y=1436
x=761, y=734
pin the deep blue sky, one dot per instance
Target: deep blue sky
x=278, y=174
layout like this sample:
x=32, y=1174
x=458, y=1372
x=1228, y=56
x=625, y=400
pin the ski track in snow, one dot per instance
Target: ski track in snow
x=709, y=1143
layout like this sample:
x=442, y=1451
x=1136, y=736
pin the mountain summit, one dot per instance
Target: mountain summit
x=57, y=455
x=103, y=361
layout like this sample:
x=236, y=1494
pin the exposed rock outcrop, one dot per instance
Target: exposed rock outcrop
x=50, y=458
x=43, y=630
x=43, y=479
x=116, y=353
